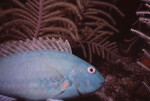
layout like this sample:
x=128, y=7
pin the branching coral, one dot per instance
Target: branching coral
x=141, y=67
x=143, y=25
x=145, y=36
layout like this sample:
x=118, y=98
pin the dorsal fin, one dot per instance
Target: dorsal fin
x=34, y=44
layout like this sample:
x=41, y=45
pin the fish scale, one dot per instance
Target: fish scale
x=24, y=77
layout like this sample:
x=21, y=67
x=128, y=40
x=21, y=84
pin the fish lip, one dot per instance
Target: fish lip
x=102, y=83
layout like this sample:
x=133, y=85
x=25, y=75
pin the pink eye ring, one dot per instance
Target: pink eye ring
x=91, y=70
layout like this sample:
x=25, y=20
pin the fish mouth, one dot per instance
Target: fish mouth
x=101, y=85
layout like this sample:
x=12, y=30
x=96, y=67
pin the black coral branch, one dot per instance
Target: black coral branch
x=105, y=49
x=143, y=23
x=83, y=22
x=38, y=15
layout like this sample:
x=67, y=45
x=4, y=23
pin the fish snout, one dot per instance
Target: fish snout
x=101, y=81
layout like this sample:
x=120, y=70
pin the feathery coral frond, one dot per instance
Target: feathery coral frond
x=63, y=4
x=103, y=48
x=79, y=21
x=96, y=2
x=35, y=15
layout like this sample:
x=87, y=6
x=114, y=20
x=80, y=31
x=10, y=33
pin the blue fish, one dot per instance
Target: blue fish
x=44, y=69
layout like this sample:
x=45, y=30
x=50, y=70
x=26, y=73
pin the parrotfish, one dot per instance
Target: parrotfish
x=44, y=69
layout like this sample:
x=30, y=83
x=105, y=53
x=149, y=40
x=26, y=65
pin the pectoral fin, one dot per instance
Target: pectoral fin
x=67, y=84
x=53, y=100
x=69, y=90
x=5, y=98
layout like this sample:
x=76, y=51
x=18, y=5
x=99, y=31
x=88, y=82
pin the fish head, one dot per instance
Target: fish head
x=86, y=78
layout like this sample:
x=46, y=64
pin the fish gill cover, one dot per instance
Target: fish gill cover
x=90, y=26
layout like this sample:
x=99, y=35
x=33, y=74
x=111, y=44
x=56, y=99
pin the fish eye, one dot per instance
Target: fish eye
x=91, y=70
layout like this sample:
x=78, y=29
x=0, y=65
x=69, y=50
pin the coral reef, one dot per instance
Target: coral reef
x=94, y=29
